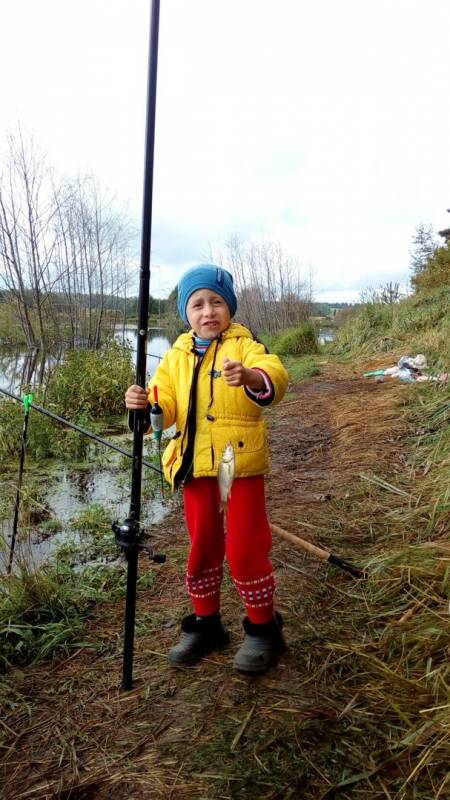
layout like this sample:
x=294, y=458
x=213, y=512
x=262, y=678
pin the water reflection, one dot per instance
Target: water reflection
x=326, y=335
x=157, y=345
x=31, y=368
x=25, y=369
x=65, y=499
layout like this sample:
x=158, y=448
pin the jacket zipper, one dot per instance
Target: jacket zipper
x=193, y=382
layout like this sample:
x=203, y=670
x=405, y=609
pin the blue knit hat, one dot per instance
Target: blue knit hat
x=206, y=276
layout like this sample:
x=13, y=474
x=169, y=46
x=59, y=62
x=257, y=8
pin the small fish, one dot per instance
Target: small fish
x=225, y=475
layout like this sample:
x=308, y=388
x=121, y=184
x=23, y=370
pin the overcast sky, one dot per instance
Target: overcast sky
x=323, y=125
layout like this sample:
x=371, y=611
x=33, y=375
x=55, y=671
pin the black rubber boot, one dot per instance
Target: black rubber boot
x=198, y=638
x=262, y=646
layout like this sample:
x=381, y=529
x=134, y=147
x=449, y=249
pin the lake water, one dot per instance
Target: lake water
x=19, y=369
x=326, y=335
x=66, y=497
x=157, y=345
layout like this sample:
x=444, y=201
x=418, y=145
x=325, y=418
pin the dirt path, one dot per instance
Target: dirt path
x=207, y=732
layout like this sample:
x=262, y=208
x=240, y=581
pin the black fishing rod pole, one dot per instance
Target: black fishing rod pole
x=83, y=431
x=26, y=404
x=128, y=533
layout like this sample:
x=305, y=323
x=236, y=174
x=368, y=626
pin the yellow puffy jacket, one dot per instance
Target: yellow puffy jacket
x=223, y=413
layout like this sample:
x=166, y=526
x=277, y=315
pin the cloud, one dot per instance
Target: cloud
x=322, y=125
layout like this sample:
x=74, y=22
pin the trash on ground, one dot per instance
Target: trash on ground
x=409, y=369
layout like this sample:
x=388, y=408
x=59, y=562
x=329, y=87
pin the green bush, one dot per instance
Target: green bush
x=87, y=385
x=300, y=369
x=45, y=437
x=436, y=272
x=298, y=342
x=91, y=382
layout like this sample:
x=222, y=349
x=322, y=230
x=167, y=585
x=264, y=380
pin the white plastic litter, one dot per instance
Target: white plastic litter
x=409, y=369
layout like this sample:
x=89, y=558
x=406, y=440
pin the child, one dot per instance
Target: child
x=213, y=384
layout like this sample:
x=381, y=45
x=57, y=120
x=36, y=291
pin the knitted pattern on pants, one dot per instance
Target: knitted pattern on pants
x=246, y=546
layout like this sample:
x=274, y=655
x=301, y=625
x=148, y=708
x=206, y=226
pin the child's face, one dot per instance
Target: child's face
x=208, y=313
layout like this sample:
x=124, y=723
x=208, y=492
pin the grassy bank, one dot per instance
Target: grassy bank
x=43, y=611
x=395, y=636
x=418, y=324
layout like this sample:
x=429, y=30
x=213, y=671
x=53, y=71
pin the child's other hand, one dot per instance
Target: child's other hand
x=136, y=398
x=236, y=374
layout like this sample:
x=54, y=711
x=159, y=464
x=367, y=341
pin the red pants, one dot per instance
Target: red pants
x=246, y=546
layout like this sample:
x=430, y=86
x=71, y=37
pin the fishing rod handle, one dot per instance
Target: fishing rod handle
x=301, y=543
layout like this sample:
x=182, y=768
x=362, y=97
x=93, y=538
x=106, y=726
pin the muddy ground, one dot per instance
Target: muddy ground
x=208, y=732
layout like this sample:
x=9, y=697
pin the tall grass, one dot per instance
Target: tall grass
x=398, y=656
x=417, y=324
x=43, y=611
x=41, y=614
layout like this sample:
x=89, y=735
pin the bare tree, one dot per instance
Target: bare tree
x=64, y=251
x=387, y=294
x=272, y=294
x=26, y=234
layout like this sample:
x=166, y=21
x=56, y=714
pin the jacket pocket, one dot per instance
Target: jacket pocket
x=170, y=453
x=249, y=444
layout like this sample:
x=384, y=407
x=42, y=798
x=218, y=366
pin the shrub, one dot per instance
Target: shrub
x=436, y=272
x=300, y=369
x=298, y=342
x=45, y=438
x=88, y=384
x=91, y=382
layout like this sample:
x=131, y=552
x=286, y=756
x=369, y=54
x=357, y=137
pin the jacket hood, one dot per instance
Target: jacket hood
x=234, y=331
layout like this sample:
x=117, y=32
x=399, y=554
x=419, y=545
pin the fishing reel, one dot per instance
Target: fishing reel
x=128, y=536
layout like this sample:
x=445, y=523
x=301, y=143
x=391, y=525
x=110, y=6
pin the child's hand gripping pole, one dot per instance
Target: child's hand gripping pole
x=157, y=423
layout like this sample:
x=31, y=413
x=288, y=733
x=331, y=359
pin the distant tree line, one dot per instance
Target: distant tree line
x=128, y=306
x=328, y=309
